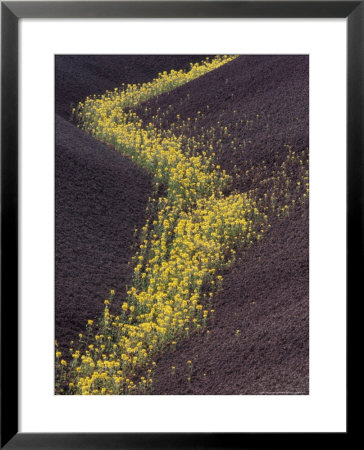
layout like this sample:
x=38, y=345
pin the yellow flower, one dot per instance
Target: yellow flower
x=191, y=236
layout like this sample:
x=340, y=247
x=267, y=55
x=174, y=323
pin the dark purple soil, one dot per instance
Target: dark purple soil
x=100, y=198
x=265, y=293
x=265, y=296
x=78, y=76
x=100, y=195
x=273, y=87
x=271, y=353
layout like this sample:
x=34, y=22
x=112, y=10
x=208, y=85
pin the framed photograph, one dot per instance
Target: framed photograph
x=181, y=221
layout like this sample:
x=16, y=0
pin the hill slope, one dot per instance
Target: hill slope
x=258, y=340
x=78, y=76
x=265, y=295
x=100, y=197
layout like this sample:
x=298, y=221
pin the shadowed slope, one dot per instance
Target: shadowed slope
x=100, y=197
x=78, y=76
x=265, y=293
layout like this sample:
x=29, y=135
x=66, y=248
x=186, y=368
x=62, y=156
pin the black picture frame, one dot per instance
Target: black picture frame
x=11, y=12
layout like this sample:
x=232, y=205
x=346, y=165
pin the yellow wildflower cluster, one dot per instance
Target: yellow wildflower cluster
x=164, y=303
x=193, y=233
x=186, y=177
x=134, y=94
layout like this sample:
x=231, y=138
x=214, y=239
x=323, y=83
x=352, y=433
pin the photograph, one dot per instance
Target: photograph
x=181, y=224
x=181, y=212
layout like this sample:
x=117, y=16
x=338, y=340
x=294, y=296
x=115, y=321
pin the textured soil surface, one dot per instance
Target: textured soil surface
x=274, y=88
x=265, y=294
x=101, y=196
x=265, y=297
x=78, y=76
